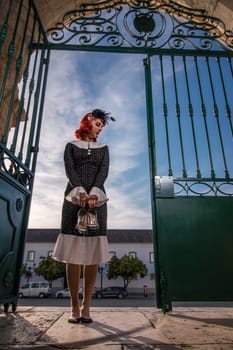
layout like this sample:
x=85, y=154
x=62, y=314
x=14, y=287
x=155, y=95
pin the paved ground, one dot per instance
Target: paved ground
x=205, y=328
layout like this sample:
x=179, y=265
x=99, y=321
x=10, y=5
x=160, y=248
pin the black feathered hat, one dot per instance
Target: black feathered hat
x=99, y=113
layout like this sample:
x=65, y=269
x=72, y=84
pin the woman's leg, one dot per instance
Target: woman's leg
x=90, y=272
x=73, y=281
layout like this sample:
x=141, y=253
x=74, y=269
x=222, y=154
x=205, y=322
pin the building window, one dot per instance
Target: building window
x=151, y=257
x=112, y=253
x=31, y=255
x=132, y=255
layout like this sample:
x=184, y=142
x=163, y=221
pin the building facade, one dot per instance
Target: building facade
x=135, y=243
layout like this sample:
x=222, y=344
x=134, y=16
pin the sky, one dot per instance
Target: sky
x=77, y=83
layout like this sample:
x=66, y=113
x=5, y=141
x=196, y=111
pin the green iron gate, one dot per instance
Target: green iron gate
x=21, y=108
x=188, y=76
x=191, y=163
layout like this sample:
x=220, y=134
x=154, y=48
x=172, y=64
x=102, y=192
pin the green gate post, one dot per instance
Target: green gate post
x=161, y=283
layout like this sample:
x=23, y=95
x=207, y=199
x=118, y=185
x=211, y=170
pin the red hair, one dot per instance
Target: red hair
x=85, y=126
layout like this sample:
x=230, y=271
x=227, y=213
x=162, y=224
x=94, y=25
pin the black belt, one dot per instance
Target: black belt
x=88, y=233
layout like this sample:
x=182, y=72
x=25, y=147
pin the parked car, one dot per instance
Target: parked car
x=66, y=294
x=62, y=293
x=35, y=289
x=111, y=292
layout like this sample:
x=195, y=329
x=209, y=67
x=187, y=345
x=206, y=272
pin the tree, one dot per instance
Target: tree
x=127, y=267
x=50, y=269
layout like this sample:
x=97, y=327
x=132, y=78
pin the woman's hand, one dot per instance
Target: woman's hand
x=82, y=200
x=92, y=201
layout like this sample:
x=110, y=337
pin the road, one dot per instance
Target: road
x=131, y=301
x=135, y=300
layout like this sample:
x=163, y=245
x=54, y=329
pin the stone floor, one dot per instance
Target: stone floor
x=205, y=328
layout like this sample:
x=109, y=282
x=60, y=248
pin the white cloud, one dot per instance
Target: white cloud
x=73, y=89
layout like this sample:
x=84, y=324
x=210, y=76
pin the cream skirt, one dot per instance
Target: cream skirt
x=81, y=250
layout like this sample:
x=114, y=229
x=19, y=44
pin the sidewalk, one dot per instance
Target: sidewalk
x=46, y=328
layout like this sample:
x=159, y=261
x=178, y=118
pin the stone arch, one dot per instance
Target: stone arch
x=52, y=11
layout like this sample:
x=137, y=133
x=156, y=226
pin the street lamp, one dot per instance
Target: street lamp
x=101, y=268
x=28, y=271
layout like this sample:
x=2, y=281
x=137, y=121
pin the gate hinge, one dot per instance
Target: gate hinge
x=164, y=186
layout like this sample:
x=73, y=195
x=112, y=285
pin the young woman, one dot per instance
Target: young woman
x=84, y=243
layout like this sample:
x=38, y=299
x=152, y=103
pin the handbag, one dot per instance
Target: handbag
x=87, y=219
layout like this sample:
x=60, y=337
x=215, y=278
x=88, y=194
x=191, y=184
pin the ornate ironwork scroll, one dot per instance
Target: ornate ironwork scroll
x=147, y=24
x=203, y=188
x=170, y=187
x=11, y=166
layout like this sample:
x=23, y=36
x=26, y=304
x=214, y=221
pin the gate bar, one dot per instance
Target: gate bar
x=39, y=123
x=31, y=89
x=22, y=98
x=216, y=114
x=19, y=60
x=136, y=50
x=36, y=101
x=190, y=108
x=165, y=114
x=203, y=109
x=152, y=163
x=230, y=65
x=178, y=117
x=228, y=109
